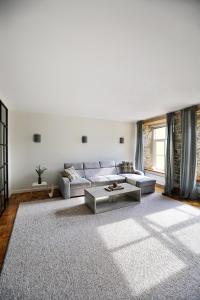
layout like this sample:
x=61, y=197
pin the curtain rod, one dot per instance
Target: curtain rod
x=164, y=115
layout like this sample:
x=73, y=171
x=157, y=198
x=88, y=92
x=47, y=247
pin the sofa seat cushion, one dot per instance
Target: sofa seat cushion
x=132, y=176
x=145, y=181
x=80, y=183
x=116, y=178
x=140, y=180
x=99, y=180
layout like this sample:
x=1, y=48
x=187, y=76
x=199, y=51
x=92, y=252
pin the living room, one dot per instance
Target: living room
x=100, y=149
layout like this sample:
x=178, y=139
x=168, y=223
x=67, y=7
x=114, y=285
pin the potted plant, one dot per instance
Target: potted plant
x=40, y=171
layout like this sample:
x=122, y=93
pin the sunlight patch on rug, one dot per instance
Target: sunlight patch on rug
x=147, y=264
x=121, y=233
x=168, y=217
x=190, y=237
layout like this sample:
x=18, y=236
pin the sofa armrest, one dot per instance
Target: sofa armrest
x=139, y=172
x=64, y=186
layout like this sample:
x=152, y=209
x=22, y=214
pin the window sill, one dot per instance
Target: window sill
x=155, y=172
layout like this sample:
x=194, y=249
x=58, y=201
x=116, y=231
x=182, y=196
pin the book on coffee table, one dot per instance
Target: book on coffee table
x=110, y=188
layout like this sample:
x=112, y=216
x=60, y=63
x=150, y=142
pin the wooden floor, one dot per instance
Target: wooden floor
x=8, y=217
x=196, y=203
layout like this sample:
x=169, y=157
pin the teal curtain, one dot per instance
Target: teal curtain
x=188, y=155
x=169, y=162
x=139, y=156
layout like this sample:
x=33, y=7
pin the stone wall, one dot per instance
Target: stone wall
x=177, y=148
x=148, y=146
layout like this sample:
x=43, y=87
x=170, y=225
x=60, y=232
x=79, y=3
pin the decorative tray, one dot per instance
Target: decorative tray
x=111, y=188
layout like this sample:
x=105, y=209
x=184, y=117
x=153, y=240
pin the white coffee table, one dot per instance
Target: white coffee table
x=99, y=200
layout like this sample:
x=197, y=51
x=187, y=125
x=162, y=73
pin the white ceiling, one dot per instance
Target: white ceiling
x=110, y=59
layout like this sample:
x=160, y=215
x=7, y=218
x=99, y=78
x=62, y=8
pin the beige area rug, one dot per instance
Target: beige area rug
x=60, y=250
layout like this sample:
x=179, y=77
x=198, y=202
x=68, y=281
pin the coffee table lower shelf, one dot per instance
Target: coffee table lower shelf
x=99, y=200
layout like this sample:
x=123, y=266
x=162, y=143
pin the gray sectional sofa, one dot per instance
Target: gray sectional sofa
x=101, y=173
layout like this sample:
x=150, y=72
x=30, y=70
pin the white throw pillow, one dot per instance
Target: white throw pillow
x=71, y=173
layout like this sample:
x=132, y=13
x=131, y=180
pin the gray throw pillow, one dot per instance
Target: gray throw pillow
x=127, y=167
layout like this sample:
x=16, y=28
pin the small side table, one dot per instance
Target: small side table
x=44, y=185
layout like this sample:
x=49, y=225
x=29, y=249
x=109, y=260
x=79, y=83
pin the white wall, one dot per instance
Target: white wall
x=61, y=142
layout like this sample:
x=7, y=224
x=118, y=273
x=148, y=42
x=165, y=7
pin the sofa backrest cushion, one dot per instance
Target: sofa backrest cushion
x=101, y=168
x=107, y=163
x=77, y=166
x=95, y=168
x=100, y=172
x=108, y=167
x=109, y=171
x=91, y=165
x=91, y=168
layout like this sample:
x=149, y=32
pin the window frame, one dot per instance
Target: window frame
x=3, y=157
x=154, y=155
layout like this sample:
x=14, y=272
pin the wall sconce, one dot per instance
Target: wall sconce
x=37, y=138
x=84, y=139
x=121, y=140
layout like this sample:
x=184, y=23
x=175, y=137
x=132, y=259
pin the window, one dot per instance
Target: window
x=159, y=148
x=3, y=156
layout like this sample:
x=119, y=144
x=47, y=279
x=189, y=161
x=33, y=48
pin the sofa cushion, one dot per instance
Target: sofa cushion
x=129, y=175
x=80, y=183
x=77, y=166
x=99, y=180
x=107, y=163
x=107, y=171
x=116, y=178
x=145, y=181
x=71, y=174
x=139, y=180
x=127, y=167
x=91, y=165
x=100, y=172
x=132, y=177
